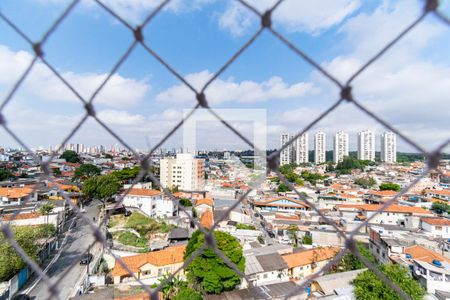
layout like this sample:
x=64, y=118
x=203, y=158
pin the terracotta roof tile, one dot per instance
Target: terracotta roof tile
x=168, y=256
x=436, y=221
x=207, y=219
x=391, y=208
x=423, y=254
x=207, y=201
x=143, y=192
x=15, y=192
x=307, y=257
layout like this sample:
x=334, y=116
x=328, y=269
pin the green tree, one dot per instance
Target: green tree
x=127, y=174
x=56, y=172
x=186, y=293
x=307, y=240
x=282, y=188
x=46, y=209
x=368, y=286
x=350, y=262
x=185, y=202
x=101, y=187
x=440, y=207
x=292, y=233
x=5, y=174
x=173, y=287
x=10, y=261
x=70, y=156
x=208, y=273
x=365, y=182
x=389, y=186
x=86, y=171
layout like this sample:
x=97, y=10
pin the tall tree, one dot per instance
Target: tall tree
x=208, y=273
x=101, y=187
x=86, y=171
x=46, y=209
x=70, y=156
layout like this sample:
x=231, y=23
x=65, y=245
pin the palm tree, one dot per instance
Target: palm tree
x=46, y=209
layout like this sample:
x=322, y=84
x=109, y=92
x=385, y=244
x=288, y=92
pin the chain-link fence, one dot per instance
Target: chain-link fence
x=202, y=102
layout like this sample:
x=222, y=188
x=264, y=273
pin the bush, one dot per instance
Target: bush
x=130, y=239
x=185, y=202
x=389, y=186
x=307, y=240
x=245, y=226
x=186, y=293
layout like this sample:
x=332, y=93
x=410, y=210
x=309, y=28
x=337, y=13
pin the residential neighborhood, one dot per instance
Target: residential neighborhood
x=283, y=236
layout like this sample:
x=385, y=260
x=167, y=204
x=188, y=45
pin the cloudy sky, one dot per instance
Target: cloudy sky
x=409, y=86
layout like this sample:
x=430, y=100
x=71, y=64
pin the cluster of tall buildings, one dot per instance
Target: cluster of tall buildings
x=298, y=150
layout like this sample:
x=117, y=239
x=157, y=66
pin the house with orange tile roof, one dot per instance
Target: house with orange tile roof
x=281, y=204
x=149, y=267
x=436, y=227
x=430, y=268
x=401, y=215
x=377, y=197
x=31, y=218
x=16, y=195
x=204, y=204
x=438, y=194
x=150, y=202
x=304, y=263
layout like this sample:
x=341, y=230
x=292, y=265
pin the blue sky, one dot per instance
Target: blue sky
x=408, y=87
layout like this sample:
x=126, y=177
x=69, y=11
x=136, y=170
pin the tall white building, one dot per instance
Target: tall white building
x=366, y=145
x=184, y=171
x=340, y=146
x=319, y=147
x=302, y=149
x=286, y=154
x=389, y=147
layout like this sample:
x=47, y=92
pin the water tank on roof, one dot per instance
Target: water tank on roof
x=408, y=256
x=437, y=263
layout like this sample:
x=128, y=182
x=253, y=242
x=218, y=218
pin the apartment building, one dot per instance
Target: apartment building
x=340, y=146
x=302, y=149
x=319, y=147
x=366, y=145
x=388, y=147
x=286, y=154
x=184, y=171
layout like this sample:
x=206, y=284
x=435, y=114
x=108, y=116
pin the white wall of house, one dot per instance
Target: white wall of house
x=436, y=231
x=147, y=204
x=265, y=278
x=165, y=207
x=42, y=219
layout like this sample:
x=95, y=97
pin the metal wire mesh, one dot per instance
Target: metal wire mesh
x=202, y=102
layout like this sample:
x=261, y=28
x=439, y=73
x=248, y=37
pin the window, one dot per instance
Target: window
x=438, y=228
x=160, y=272
x=265, y=276
x=147, y=272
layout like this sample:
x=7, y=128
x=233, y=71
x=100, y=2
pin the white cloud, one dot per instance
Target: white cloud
x=229, y=90
x=117, y=117
x=293, y=15
x=405, y=87
x=42, y=83
x=134, y=11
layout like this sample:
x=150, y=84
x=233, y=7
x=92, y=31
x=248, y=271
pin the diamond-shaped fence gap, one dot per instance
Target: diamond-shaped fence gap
x=86, y=33
x=36, y=20
x=205, y=41
x=53, y=107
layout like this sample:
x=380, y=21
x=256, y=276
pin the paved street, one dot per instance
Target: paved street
x=80, y=237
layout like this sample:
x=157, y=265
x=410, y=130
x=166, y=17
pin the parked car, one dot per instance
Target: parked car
x=86, y=259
